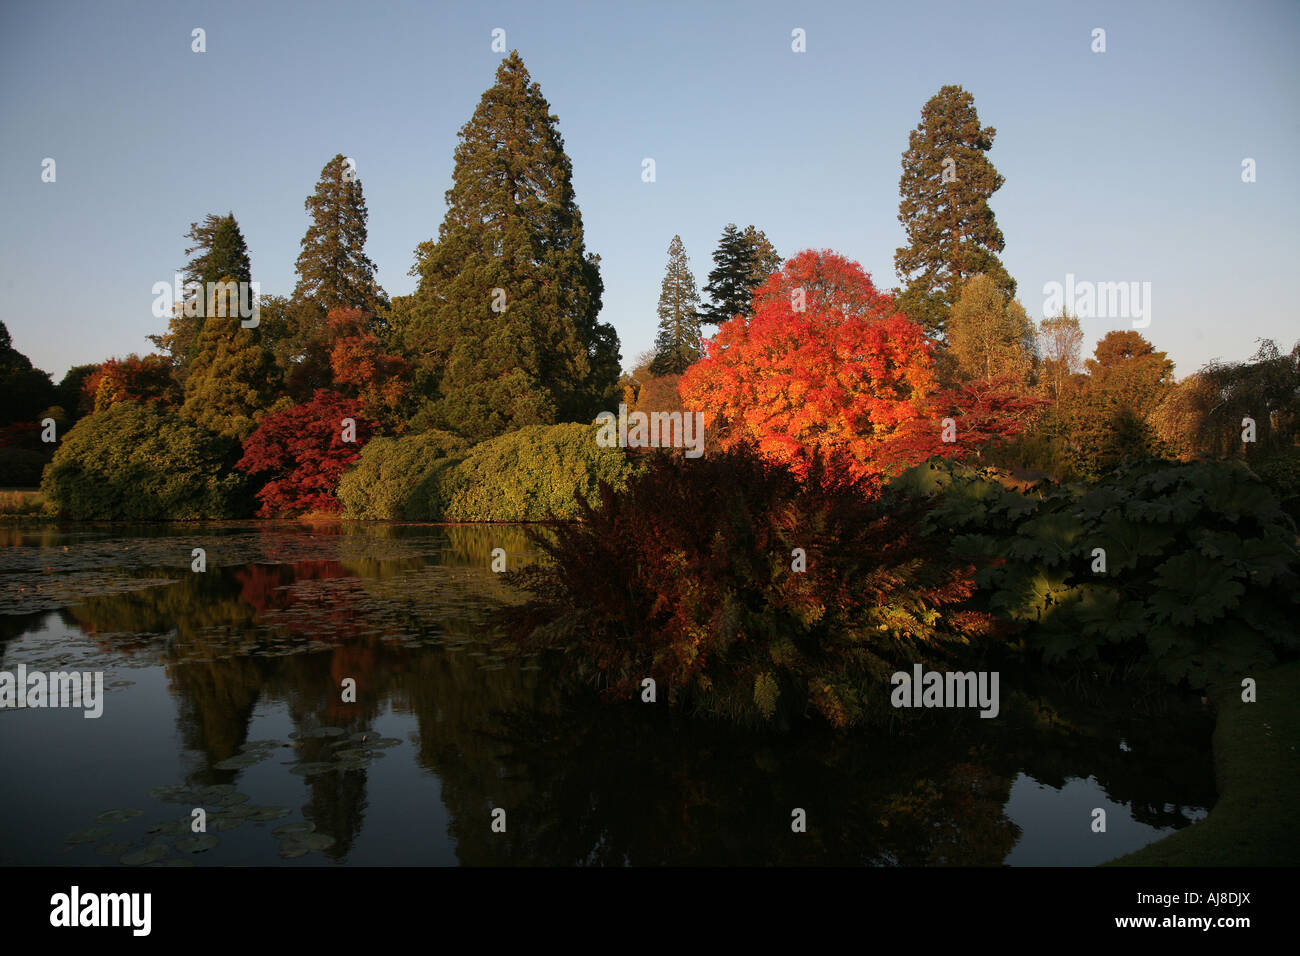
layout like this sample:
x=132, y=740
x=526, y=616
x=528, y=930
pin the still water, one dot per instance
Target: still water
x=224, y=691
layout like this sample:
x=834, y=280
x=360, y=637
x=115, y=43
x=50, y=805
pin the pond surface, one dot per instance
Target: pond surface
x=223, y=692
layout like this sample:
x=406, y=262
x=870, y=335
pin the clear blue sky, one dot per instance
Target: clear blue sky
x=1119, y=166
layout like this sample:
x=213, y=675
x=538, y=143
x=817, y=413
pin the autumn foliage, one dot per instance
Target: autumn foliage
x=828, y=368
x=691, y=576
x=300, y=455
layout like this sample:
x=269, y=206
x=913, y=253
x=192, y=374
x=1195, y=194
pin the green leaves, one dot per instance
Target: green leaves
x=1194, y=588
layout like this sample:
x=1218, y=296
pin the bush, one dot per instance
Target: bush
x=1199, y=580
x=134, y=462
x=402, y=478
x=533, y=474
x=688, y=577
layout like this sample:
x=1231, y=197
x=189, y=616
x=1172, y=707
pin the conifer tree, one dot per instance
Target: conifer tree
x=678, y=344
x=951, y=231
x=219, y=254
x=230, y=380
x=334, y=271
x=742, y=261
x=504, y=325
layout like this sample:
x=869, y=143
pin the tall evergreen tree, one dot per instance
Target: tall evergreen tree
x=334, y=271
x=219, y=254
x=504, y=325
x=763, y=256
x=951, y=231
x=741, y=263
x=230, y=378
x=677, y=346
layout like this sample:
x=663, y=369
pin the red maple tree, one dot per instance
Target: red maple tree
x=300, y=453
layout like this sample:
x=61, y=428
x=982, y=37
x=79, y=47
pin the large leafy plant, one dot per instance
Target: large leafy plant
x=1188, y=567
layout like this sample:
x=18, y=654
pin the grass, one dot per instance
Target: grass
x=1257, y=768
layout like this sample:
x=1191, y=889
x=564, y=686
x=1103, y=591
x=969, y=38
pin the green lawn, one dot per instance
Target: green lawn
x=1258, y=772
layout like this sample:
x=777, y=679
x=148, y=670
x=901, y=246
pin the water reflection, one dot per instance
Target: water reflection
x=255, y=655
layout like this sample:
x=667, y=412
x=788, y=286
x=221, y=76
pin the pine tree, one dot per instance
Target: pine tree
x=230, y=380
x=219, y=254
x=677, y=346
x=504, y=326
x=742, y=262
x=763, y=256
x=990, y=337
x=334, y=271
x=951, y=231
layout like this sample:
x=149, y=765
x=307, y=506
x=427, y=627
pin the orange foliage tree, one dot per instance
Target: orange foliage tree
x=826, y=367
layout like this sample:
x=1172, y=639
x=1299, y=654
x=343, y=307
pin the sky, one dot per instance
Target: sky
x=1121, y=166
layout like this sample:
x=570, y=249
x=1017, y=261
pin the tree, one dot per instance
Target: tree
x=990, y=337
x=363, y=369
x=825, y=367
x=742, y=263
x=951, y=231
x=1060, y=339
x=231, y=378
x=146, y=381
x=300, y=453
x=334, y=271
x=219, y=254
x=678, y=343
x=24, y=390
x=505, y=326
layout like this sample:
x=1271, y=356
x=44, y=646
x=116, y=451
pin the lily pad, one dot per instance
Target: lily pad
x=264, y=814
x=228, y=799
x=91, y=835
x=112, y=849
x=240, y=761
x=198, y=843
x=176, y=794
x=311, y=768
x=150, y=854
x=221, y=822
x=326, y=732
x=292, y=849
x=260, y=745
x=357, y=753
x=172, y=861
x=315, y=841
x=294, y=829
x=117, y=816
x=169, y=827
x=383, y=743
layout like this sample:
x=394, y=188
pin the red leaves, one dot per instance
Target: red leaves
x=301, y=449
x=826, y=366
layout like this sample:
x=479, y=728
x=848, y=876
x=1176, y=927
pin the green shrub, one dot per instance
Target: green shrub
x=402, y=478
x=134, y=462
x=1200, y=567
x=534, y=473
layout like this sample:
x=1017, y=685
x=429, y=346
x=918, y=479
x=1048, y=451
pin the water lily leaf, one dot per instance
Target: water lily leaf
x=91, y=835
x=240, y=761
x=117, y=816
x=228, y=799
x=198, y=843
x=169, y=827
x=266, y=814
x=311, y=768
x=150, y=854
x=221, y=822
x=293, y=829
x=112, y=849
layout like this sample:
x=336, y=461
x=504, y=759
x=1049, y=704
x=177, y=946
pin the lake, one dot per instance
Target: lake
x=224, y=691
